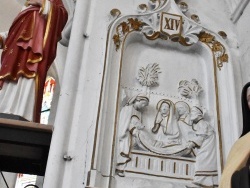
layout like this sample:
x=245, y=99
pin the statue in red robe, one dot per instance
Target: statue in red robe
x=29, y=49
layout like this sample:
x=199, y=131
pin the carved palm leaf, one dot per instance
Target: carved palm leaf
x=149, y=76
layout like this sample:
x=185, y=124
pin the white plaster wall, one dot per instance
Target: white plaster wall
x=243, y=30
x=241, y=51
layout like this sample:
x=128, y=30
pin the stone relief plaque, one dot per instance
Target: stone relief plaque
x=159, y=118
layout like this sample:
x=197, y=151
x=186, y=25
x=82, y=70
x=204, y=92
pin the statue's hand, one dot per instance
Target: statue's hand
x=35, y=2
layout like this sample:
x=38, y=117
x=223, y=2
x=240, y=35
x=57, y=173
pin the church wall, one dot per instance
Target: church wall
x=81, y=81
x=77, y=113
x=243, y=30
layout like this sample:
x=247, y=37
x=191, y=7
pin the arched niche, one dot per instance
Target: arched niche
x=192, y=52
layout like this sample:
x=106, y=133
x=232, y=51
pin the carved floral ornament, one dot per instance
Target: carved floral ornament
x=168, y=26
x=132, y=24
x=149, y=76
x=178, y=30
x=217, y=48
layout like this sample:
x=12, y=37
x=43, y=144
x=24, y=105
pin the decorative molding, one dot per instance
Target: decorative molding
x=237, y=9
x=125, y=27
x=172, y=26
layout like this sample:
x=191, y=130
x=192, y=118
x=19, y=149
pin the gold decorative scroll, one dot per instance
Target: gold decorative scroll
x=218, y=50
x=132, y=24
x=171, y=27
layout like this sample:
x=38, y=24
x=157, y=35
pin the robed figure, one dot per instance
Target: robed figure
x=29, y=48
x=130, y=122
x=204, y=141
x=165, y=124
x=184, y=122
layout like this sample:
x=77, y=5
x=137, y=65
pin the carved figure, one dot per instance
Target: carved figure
x=184, y=122
x=167, y=138
x=165, y=124
x=204, y=140
x=129, y=124
x=236, y=171
x=29, y=48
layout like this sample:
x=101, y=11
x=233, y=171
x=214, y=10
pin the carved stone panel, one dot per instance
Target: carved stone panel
x=159, y=118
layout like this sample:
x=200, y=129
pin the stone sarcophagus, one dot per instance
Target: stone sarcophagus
x=161, y=167
x=164, y=101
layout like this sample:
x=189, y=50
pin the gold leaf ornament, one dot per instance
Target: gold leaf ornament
x=143, y=7
x=135, y=23
x=217, y=46
x=115, y=12
x=206, y=37
x=224, y=58
x=125, y=27
x=222, y=34
x=116, y=40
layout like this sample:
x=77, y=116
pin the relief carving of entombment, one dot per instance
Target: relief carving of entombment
x=178, y=130
x=170, y=130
